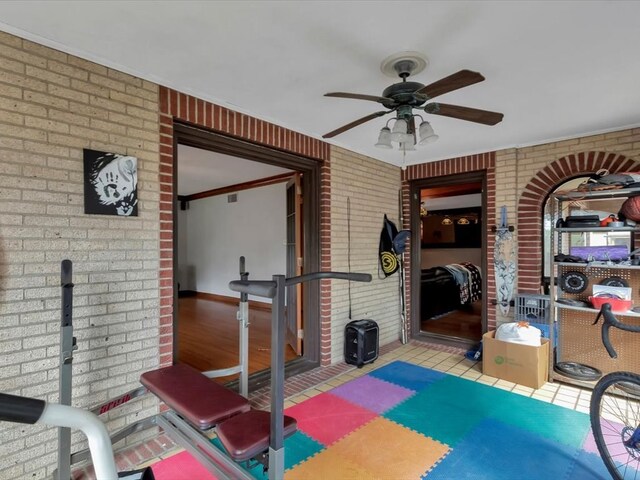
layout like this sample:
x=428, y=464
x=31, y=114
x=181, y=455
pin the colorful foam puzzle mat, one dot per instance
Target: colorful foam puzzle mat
x=403, y=422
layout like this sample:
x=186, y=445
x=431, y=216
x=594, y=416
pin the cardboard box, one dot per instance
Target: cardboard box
x=514, y=362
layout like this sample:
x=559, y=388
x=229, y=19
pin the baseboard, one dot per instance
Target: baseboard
x=233, y=301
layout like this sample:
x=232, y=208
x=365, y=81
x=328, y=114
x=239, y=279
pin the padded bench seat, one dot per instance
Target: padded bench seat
x=247, y=435
x=192, y=395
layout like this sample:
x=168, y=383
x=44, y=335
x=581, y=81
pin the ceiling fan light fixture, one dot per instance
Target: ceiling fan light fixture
x=384, y=138
x=427, y=135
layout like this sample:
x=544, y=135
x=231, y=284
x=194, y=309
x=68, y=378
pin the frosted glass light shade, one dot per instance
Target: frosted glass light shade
x=399, y=132
x=427, y=134
x=384, y=138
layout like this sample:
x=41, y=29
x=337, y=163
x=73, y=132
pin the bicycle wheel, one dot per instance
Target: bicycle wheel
x=615, y=421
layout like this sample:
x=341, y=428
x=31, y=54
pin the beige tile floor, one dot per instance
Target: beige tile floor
x=456, y=364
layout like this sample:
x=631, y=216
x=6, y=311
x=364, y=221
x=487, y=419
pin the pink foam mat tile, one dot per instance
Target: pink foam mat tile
x=327, y=417
x=181, y=466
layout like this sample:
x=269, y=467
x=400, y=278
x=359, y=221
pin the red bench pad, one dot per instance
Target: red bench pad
x=197, y=398
x=247, y=435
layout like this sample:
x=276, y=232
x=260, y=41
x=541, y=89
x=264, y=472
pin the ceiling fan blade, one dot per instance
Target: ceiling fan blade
x=359, y=96
x=463, y=78
x=355, y=123
x=464, y=113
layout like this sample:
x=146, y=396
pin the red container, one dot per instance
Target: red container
x=617, y=305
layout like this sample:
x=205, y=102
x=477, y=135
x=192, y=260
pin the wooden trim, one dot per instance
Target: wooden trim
x=233, y=300
x=262, y=182
x=415, y=187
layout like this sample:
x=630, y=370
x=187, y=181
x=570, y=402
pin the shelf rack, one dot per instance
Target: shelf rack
x=578, y=339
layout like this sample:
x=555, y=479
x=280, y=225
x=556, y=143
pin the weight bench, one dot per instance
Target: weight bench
x=198, y=404
x=244, y=433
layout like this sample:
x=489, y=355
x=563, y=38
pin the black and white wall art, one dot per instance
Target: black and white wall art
x=110, y=183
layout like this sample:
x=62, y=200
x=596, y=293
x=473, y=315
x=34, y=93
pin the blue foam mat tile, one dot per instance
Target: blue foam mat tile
x=497, y=451
x=589, y=466
x=407, y=375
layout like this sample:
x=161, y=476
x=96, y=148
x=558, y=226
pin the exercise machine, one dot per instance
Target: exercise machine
x=197, y=405
x=249, y=437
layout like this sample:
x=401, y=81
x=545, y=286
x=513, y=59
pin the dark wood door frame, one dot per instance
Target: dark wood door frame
x=414, y=201
x=185, y=134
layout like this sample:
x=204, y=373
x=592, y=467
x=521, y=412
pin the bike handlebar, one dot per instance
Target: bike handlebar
x=609, y=320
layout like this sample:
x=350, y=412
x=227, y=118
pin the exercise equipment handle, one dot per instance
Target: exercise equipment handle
x=267, y=288
x=354, y=277
x=258, y=288
x=609, y=320
x=20, y=409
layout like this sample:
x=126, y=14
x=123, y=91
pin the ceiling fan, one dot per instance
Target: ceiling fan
x=403, y=97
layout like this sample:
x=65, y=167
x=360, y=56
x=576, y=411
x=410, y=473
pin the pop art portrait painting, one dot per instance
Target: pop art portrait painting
x=110, y=184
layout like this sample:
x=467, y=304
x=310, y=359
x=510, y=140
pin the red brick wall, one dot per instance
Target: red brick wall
x=532, y=200
x=470, y=163
x=181, y=107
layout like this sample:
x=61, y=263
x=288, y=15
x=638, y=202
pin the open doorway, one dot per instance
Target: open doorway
x=450, y=278
x=230, y=207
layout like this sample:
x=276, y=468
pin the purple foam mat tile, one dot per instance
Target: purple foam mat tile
x=371, y=393
x=612, y=431
x=590, y=443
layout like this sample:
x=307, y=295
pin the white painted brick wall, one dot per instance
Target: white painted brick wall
x=51, y=106
x=373, y=188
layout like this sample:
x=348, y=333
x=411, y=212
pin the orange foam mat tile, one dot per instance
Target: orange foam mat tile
x=326, y=465
x=390, y=450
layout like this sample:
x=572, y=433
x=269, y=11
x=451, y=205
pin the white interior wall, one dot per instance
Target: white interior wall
x=218, y=233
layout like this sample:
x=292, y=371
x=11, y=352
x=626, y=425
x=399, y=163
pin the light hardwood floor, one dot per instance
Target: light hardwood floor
x=208, y=334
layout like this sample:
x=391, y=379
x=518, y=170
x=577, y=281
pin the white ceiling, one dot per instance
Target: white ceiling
x=555, y=69
x=200, y=170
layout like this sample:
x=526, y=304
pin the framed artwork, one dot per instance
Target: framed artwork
x=110, y=184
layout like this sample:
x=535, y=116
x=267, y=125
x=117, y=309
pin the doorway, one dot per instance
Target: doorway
x=245, y=210
x=448, y=269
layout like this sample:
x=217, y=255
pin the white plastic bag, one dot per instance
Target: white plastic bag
x=519, y=332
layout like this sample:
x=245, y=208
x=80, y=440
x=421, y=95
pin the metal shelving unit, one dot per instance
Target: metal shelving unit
x=578, y=340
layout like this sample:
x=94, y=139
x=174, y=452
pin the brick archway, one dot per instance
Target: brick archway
x=533, y=198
